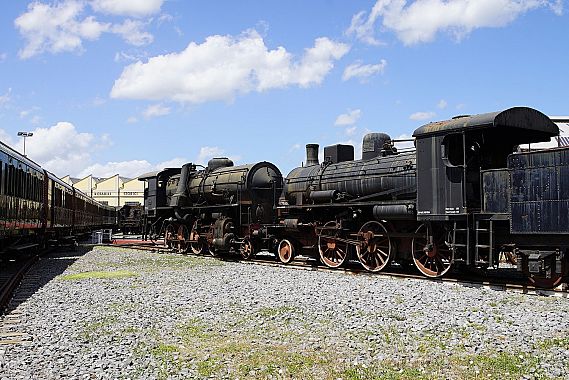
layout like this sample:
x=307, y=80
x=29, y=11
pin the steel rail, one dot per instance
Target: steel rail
x=312, y=265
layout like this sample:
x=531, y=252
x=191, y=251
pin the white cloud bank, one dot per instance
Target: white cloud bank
x=128, y=169
x=361, y=71
x=132, y=8
x=135, y=168
x=420, y=21
x=419, y=116
x=223, y=67
x=156, y=110
x=63, y=26
x=62, y=150
x=349, y=118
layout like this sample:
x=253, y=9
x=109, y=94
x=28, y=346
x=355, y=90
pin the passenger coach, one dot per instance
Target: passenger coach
x=36, y=206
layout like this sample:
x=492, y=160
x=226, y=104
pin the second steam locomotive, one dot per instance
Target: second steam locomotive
x=466, y=196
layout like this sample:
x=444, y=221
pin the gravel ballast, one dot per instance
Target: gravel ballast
x=115, y=313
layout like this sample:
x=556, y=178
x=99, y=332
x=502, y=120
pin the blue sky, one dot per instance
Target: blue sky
x=129, y=86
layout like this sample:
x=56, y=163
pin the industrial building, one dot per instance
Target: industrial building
x=114, y=191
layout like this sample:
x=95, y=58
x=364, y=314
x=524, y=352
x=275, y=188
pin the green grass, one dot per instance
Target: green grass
x=547, y=344
x=383, y=373
x=93, y=330
x=155, y=262
x=98, y=275
x=273, y=312
x=502, y=366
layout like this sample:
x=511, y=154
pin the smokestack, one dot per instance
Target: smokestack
x=180, y=198
x=311, y=154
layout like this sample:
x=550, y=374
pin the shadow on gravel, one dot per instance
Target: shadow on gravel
x=43, y=271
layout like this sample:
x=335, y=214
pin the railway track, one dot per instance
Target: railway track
x=499, y=281
x=13, y=271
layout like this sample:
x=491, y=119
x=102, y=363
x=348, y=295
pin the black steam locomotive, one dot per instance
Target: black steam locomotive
x=467, y=196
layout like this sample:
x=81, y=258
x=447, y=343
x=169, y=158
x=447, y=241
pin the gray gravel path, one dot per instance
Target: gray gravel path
x=141, y=315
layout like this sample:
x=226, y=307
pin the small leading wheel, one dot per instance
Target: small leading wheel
x=247, y=249
x=431, y=253
x=374, y=251
x=183, y=237
x=285, y=251
x=169, y=236
x=333, y=253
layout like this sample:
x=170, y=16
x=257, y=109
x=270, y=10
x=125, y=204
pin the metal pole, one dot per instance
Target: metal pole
x=24, y=135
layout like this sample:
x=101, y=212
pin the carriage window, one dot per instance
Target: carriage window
x=452, y=149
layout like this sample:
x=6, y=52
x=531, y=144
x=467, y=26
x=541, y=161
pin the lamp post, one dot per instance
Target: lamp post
x=24, y=135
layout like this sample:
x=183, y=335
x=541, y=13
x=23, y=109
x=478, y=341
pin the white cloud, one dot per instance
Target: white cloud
x=223, y=67
x=132, y=120
x=3, y=57
x=358, y=70
x=129, y=169
x=363, y=29
x=62, y=27
x=421, y=20
x=418, y=116
x=295, y=147
x=131, y=31
x=165, y=17
x=155, y=110
x=8, y=139
x=60, y=148
x=5, y=99
x=134, y=168
x=56, y=28
x=208, y=152
x=35, y=120
x=31, y=115
x=350, y=131
x=130, y=56
x=349, y=118
x=442, y=104
x=133, y=8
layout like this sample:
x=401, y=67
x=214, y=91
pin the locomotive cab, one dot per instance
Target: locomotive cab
x=452, y=154
x=155, y=191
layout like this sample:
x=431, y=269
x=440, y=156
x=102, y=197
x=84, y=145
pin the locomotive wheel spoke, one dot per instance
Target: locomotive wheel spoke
x=169, y=236
x=196, y=244
x=432, y=259
x=332, y=252
x=285, y=251
x=183, y=237
x=247, y=250
x=374, y=250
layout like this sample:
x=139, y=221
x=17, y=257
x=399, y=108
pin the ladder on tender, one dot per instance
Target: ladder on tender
x=484, y=246
x=460, y=242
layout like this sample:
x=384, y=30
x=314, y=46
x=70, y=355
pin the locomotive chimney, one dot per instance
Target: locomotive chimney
x=311, y=154
x=180, y=198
